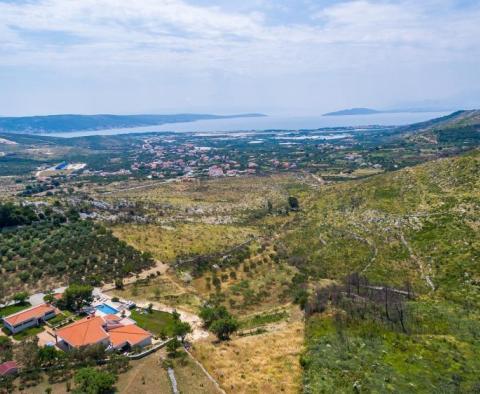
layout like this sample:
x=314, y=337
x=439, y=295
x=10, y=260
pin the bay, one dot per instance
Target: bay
x=270, y=123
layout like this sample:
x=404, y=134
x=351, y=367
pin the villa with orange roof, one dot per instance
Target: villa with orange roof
x=30, y=317
x=111, y=331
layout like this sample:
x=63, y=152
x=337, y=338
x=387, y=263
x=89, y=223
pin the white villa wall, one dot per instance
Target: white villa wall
x=16, y=329
x=145, y=342
x=30, y=323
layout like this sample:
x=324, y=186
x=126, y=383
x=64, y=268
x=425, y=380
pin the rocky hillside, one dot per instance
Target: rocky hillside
x=419, y=229
x=420, y=223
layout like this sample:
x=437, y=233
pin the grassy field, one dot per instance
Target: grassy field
x=262, y=319
x=158, y=323
x=145, y=376
x=205, y=218
x=166, y=243
x=260, y=285
x=201, y=217
x=265, y=363
x=221, y=195
x=358, y=173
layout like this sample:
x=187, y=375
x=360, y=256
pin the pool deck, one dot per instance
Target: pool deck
x=121, y=308
x=106, y=309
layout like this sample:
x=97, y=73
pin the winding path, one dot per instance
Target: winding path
x=423, y=271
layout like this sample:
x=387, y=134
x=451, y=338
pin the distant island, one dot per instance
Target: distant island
x=370, y=111
x=353, y=111
x=71, y=123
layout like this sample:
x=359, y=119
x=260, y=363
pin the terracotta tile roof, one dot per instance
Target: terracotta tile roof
x=92, y=330
x=131, y=334
x=112, y=317
x=87, y=331
x=27, y=314
x=7, y=367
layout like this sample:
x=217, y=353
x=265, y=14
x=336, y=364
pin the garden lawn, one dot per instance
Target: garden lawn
x=11, y=309
x=158, y=323
x=62, y=316
x=29, y=332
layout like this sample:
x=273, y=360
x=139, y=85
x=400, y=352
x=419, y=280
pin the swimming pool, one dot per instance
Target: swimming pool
x=107, y=309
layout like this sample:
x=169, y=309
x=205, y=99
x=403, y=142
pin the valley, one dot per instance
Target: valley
x=338, y=260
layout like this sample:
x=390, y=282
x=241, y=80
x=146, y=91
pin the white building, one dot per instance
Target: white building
x=30, y=317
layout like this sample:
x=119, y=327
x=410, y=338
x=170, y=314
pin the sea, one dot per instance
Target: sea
x=269, y=123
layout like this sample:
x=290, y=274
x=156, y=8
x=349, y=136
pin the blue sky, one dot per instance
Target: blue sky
x=272, y=56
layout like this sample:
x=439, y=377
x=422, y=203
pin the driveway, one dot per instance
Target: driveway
x=37, y=299
x=45, y=337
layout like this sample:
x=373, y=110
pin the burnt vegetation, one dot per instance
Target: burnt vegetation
x=357, y=298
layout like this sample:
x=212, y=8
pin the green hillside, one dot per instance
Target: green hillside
x=371, y=225
x=459, y=128
x=420, y=228
x=453, y=120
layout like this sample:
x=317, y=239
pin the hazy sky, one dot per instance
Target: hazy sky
x=225, y=56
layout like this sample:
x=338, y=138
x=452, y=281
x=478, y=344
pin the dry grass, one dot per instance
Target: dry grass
x=266, y=363
x=259, y=289
x=214, y=201
x=358, y=173
x=167, y=243
x=147, y=376
x=245, y=191
x=57, y=388
x=191, y=379
x=9, y=188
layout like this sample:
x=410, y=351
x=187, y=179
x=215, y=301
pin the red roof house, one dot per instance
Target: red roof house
x=109, y=330
x=8, y=368
x=33, y=316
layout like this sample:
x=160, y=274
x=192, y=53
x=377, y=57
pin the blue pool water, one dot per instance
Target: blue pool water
x=107, y=309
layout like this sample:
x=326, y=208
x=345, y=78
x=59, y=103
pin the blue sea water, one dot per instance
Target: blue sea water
x=271, y=122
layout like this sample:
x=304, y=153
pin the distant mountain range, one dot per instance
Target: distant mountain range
x=70, y=123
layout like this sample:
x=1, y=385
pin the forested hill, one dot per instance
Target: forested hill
x=66, y=123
